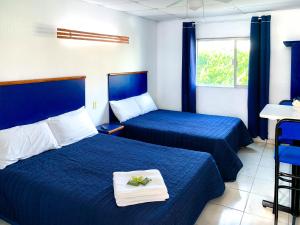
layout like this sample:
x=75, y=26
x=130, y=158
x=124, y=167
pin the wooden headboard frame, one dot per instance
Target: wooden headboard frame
x=28, y=101
x=43, y=80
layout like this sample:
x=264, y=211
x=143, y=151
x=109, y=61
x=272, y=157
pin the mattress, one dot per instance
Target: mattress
x=220, y=136
x=73, y=185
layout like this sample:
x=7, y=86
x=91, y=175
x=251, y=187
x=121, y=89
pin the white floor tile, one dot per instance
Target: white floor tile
x=219, y=215
x=257, y=146
x=266, y=173
x=254, y=207
x=250, y=156
x=233, y=198
x=243, y=183
x=249, y=170
x=263, y=187
x=267, y=162
x=256, y=220
x=266, y=188
x=269, y=147
x=268, y=153
x=267, y=159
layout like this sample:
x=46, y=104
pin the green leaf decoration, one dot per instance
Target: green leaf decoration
x=145, y=181
x=133, y=183
x=136, y=181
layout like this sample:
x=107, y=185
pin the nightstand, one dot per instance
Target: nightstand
x=110, y=128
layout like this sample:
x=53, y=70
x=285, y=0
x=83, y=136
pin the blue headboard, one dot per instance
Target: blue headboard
x=125, y=85
x=29, y=101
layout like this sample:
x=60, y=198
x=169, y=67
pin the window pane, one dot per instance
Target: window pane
x=243, y=49
x=215, y=63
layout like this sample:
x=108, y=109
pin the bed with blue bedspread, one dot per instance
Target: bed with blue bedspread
x=73, y=185
x=218, y=135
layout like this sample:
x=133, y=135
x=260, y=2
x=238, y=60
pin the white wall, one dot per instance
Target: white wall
x=29, y=48
x=168, y=77
x=224, y=101
x=210, y=100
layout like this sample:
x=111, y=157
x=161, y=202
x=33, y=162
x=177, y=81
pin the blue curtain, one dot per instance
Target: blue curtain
x=259, y=75
x=188, y=67
x=295, y=73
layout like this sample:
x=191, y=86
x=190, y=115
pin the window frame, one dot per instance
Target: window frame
x=235, y=39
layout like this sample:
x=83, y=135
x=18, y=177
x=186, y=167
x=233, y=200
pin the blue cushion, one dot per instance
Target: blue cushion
x=289, y=154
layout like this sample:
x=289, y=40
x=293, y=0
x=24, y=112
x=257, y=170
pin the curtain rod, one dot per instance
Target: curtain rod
x=222, y=21
x=222, y=38
x=226, y=20
x=230, y=18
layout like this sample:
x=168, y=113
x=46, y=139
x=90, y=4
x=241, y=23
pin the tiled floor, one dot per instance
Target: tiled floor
x=241, y=203
x=3, y=223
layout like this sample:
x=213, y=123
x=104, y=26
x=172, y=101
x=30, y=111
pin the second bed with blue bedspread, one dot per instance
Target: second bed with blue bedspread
x=73, y=185
x=219, y=135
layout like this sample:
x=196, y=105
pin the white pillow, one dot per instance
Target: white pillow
x=146, y=103
x=22, y=142
x=125, y=109
x=71, y=127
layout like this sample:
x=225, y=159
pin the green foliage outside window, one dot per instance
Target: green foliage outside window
x=242, y=67
x=217, y=68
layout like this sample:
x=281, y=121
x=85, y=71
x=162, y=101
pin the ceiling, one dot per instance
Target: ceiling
x=160, y=10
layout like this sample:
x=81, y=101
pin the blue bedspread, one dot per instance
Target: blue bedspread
x=73, y=185
x=219, y=135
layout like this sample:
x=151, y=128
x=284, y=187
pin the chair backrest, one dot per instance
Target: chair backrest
x=288, y=131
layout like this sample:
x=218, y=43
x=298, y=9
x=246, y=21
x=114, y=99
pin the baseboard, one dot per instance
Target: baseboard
x=268, y=141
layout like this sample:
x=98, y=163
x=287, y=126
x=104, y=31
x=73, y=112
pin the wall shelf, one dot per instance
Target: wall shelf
x=63, y=33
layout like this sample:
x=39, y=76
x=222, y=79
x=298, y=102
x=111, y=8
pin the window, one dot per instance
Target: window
x=223, y=62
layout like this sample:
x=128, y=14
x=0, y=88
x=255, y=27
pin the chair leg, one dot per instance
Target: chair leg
x=294, y=220
x=275, y=207
x=295, y=193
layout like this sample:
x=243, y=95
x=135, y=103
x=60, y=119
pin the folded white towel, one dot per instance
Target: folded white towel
x=125, y=194
x=139, y=200
x=133, y=199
